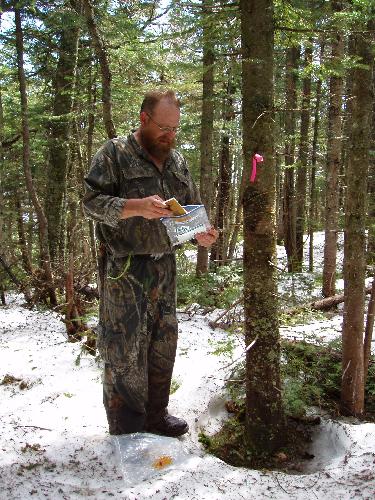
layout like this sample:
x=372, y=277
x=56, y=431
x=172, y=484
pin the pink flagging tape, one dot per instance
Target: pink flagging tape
x=256, y=159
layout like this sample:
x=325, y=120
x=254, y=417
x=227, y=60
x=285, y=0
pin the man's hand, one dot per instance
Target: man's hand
x=207, y=238
x=152, y=207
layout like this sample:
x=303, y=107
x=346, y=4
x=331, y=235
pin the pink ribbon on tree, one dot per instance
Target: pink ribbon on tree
x=256, y=159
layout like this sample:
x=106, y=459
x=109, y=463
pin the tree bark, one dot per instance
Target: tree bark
x=206, y=136
x=301, y=184
x=289, y=206
x=102, y=55
x=42, y=220
x=334, y=136
x=352, y=388
x=264, y=412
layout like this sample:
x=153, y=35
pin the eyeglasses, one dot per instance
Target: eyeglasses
x=164, y=129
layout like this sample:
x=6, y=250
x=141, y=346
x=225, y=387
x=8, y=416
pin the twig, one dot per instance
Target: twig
x=346, y=369
x=280, y=485
x=214, y=324
x=340, y=482
x=34, y=427
x=251, y=344
x=239, y=357
x=295, y=486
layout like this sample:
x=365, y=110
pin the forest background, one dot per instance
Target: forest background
x=291, y=81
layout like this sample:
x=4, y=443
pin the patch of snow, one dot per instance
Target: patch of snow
x=56, y=445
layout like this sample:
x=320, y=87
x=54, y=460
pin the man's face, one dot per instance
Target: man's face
x=158, y=142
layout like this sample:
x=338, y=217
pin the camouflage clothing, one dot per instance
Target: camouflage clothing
x=122, y=169
x=138, y=344
x=137, y=333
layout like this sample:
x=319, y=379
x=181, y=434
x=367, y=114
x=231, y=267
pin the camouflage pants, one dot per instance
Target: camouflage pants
x=137, y=338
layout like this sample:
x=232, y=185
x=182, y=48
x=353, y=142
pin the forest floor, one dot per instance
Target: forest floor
x=54, y=437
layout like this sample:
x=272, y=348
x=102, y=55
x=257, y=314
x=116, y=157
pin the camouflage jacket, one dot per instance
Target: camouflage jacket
x=122, y=170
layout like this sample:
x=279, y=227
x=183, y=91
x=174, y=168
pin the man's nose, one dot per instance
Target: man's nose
x=171, y=132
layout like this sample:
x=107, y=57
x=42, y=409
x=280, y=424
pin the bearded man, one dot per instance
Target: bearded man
x=129, y=179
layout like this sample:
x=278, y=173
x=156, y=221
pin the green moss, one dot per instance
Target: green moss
x=300, y=316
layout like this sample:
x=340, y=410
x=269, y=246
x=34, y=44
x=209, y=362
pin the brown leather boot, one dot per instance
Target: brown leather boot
x=168, y=425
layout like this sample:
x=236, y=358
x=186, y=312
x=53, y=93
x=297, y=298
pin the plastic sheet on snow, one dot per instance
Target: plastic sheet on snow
x=144, y=456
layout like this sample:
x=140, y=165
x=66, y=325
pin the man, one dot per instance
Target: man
x=137, y=335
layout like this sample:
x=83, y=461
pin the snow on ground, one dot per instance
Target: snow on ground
x=55, y=443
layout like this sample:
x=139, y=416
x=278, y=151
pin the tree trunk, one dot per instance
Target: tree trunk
x=102, y=55
x=279, y=200
x=236, y=228
x=42, y=220
x=2, y=287
x=91, y=89
x=368, y=332
x=301, y=184
x=219, y=251
x=264, y=413
x=25, y=253
x=73, y=314
x=346, y=128
x=371, y=195
x=352, y=388
x=59, y=138
x=334, y=136
x=313, y=200
x=206, y=136
x=289, y=207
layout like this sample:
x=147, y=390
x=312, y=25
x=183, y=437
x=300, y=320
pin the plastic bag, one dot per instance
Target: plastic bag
x=181, y=228
x=144, y=455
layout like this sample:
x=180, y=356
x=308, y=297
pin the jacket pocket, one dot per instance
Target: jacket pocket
x=139, y=183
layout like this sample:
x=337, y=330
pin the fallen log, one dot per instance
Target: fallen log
x=329, y=302
x=319, y=305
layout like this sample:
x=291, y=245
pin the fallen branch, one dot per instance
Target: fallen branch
x=329, y=302
x=239, y=357
x=319, y=305
x=33, y=427
x=215, y=324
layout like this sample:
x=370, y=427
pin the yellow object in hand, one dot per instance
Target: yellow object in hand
x=173, y=205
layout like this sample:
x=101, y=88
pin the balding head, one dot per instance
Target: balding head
x=154, y=97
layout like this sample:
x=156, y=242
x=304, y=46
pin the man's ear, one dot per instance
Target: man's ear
x=143, y=117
